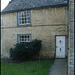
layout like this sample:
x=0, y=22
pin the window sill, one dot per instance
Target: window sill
x=24, y=25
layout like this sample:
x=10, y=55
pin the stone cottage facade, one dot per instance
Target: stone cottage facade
x=26, y=20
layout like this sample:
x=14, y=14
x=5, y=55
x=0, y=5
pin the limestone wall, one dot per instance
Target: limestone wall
x=45, y=33
x=45, y=25
x=9, y=20
x=47, y=16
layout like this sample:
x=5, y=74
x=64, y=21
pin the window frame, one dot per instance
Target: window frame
x=24, y=18
x=18, y=35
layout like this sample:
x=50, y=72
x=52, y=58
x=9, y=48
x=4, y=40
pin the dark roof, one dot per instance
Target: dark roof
x=17, y=5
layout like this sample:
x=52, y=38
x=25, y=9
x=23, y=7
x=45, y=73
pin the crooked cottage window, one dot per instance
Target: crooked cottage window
x=23, y=38
x=24, y=18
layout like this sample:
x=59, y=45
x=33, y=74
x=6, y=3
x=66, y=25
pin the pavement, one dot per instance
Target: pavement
x=59, y=67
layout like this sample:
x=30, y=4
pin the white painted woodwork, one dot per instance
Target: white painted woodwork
x=60, y=46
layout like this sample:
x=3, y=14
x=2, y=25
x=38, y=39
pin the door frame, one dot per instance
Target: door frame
x=65, y=44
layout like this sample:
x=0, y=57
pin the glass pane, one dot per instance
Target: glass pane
x=28, y=19
x=22, y=18
x=24, y=15
x=25, y=21
x=25, y=36
x=28, y=39
x=28, y=12
x=24, y=12
x=20, y=15
x=22, y=39
x=25, y=40
x=28, y=15
x=22, y=36
x=25, y=18
x=28, y=36
x=19, y=20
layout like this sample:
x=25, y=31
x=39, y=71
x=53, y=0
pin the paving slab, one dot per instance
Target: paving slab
x=59, y=67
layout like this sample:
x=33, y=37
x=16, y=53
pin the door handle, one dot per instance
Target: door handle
x=60, y=49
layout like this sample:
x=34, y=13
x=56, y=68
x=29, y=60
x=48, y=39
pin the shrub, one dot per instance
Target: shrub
x=24, y=51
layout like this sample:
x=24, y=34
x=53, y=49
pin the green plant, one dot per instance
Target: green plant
x=26, y=68
x=24, y=51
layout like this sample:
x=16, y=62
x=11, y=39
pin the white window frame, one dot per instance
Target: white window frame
x=24, y=18
x=25, y=39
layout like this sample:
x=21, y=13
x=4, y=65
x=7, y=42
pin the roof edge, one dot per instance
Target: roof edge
x=60, y=5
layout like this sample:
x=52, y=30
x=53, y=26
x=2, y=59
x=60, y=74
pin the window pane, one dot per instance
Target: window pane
x=28, y=19
x=25, y=36
x=20, y=15
x=25, y=39
x=28, y=36
x=28, y=39
x=22, y=18
x=25, y=21
x=28, y=15
x=28, y=12
x=24, y=12
x=20, y=36
x=19, y=20
x=22, y=39
x=25, y=18
x=24, y=15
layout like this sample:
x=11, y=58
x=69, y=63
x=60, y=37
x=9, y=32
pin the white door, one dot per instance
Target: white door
x=60, y=46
